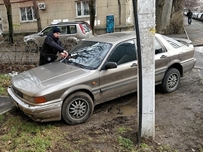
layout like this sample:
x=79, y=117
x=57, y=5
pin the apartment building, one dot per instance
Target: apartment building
x=24, y=14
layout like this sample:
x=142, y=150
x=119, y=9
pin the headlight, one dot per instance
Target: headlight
x=35, y=99
x=28, y=98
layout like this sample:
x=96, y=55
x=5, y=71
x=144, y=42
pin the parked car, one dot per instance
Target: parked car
x=71, y=33
x=100, y=69
x=195, y=15
x=200, y=16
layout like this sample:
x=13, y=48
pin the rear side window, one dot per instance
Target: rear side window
x=158, y=47
x=86, y=27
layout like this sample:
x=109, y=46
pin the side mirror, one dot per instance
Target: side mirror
x=110, y=65
x=40, y=34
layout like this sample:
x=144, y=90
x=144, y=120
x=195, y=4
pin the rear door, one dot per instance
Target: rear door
x=162, y=60
x=121, y=80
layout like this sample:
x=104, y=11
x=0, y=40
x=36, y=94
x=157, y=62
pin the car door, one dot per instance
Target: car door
x=121, y=80
x=162, y=60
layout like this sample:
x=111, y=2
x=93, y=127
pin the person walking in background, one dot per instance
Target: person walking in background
x=51, y=46
x=189, y=15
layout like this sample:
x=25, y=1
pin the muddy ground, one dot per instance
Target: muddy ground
x=179, y=121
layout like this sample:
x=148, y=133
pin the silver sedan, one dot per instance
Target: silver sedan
x=100, y=69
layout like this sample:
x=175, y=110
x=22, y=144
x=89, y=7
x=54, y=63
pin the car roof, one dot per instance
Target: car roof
x=114, y=37
x=70, y=22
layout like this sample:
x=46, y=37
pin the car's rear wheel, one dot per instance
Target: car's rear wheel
x=77, y=108
x=171, y=80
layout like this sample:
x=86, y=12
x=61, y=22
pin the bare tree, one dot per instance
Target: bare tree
x=7, y=3
x=119, y=12
x=39, y=26
x=92, y=14
x=191, y=3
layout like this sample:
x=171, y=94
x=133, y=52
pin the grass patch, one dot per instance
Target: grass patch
x=122, y=130
x=5, y=81
x=125, y=143
x=18, y=135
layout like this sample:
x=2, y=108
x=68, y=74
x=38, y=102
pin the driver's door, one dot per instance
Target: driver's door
x=121, y=80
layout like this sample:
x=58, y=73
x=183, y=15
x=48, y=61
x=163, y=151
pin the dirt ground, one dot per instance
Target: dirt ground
x=179, y=121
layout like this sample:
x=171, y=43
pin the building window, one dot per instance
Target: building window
x=82, y=8
x=27, y=14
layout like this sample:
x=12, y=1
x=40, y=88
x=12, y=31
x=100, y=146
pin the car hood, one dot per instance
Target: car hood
x=31, y=35
x=39, y=78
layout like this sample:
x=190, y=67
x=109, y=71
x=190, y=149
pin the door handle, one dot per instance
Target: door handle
x=163, y=56
x=134, y=64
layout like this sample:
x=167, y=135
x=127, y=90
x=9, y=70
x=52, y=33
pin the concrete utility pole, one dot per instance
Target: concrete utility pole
x=146, y=18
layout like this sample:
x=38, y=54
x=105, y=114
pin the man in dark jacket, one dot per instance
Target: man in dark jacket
x=189, y=15
x=51, y=46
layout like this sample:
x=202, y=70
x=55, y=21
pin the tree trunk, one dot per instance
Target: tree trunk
x=169, y=18
x=92, y=14
x=119, y=12
x=39, y=26
x=163, y=13
x=10, y=21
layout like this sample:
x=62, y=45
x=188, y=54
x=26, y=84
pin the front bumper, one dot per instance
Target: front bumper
x=41, y=112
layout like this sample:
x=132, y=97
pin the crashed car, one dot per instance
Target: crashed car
x=99, y=69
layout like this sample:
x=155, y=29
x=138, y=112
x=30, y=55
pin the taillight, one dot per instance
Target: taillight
x=82, y=28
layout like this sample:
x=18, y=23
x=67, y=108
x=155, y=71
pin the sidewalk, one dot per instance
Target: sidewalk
x=194, y=32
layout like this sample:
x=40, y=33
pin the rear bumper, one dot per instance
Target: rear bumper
x=188, y=65
x=40, y=113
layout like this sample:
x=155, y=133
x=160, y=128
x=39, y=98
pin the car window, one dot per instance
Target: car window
x=86, y=27
x=47, y=30
x=123, y=53
x=72, y=29
x=63, y=29
x=89, y=54
x=158, y=47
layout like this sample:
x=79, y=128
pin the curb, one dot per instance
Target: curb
x=186, y=33
x=5, y=104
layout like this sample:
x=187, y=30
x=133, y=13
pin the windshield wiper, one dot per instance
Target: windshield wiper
x=79, y=65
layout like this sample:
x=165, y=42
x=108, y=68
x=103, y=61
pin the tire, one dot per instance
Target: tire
x=171, y=80
x=82, y=104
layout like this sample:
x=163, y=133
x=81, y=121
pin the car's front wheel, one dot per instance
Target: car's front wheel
x=171, y=80
x=77, y=108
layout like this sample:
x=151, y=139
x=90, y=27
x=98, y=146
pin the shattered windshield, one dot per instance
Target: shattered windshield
x=89, y=54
